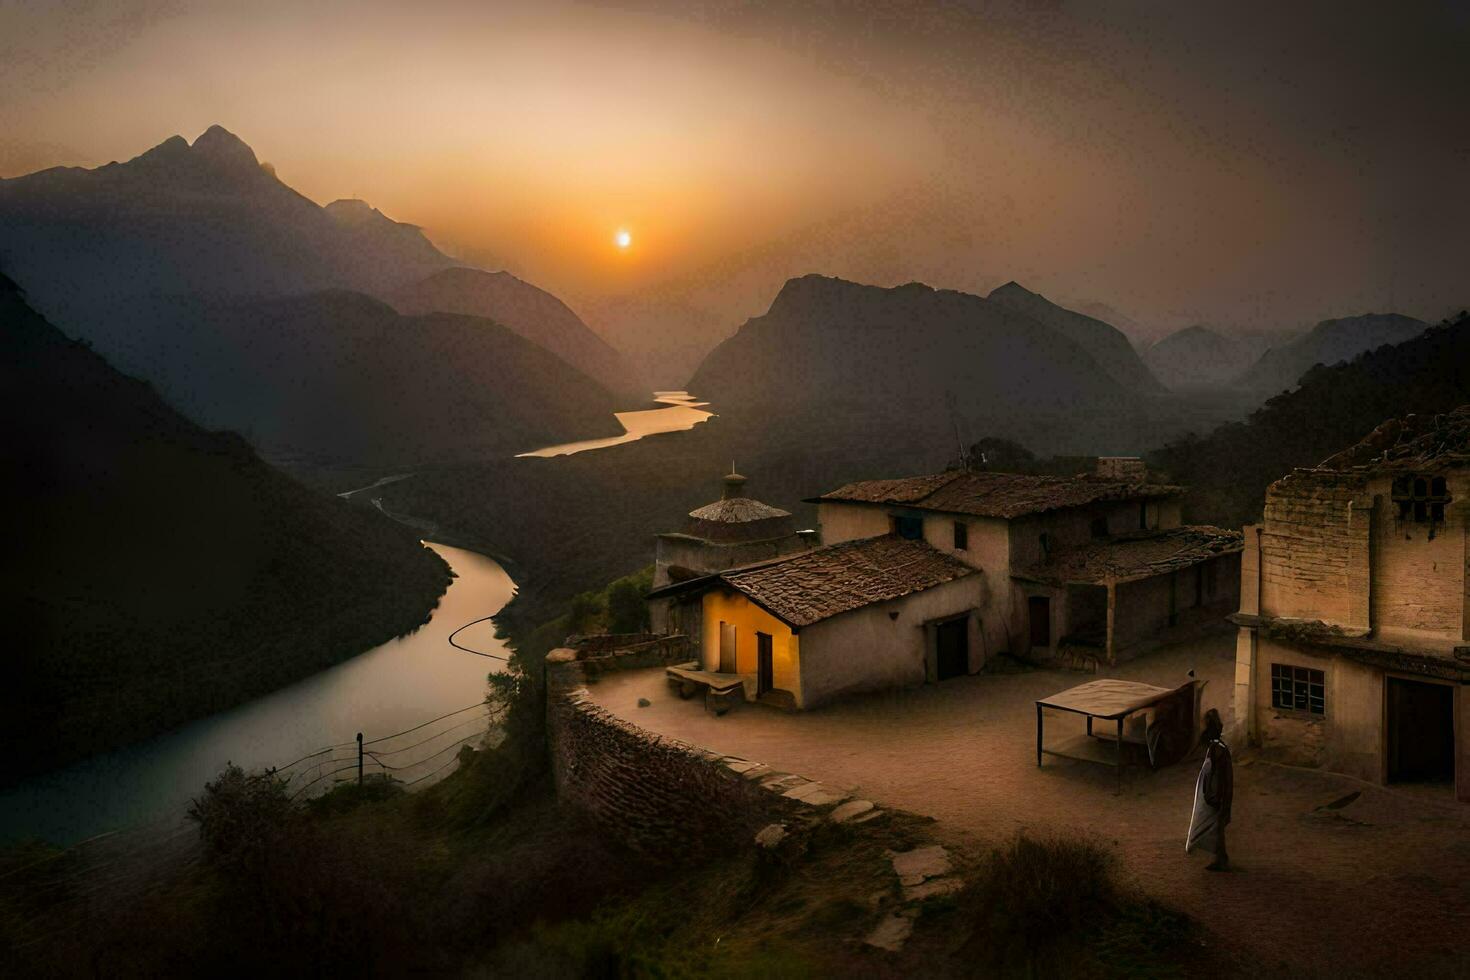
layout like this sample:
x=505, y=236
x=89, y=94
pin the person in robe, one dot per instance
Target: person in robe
x=1214, y=791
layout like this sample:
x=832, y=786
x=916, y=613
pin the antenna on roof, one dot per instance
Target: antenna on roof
x=954, y=420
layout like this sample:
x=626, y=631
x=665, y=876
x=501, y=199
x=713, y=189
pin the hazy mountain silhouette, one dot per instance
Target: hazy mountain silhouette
x=1197, y=357
x=206, y=218
x=154, y=571
x=841, y=347
x=1329, y=342
x=1106, y=343
x=531, y=312
x=338, y=375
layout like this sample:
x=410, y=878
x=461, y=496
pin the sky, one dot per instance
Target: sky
x=1261, y=165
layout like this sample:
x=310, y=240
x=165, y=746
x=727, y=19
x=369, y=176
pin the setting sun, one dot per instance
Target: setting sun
x=623, y=239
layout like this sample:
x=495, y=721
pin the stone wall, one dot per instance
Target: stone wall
x=671, y=801
x=1314, y=549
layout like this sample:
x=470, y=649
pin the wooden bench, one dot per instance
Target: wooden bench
x=721, y=691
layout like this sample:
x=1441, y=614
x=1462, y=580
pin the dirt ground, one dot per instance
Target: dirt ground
x=1378, y=885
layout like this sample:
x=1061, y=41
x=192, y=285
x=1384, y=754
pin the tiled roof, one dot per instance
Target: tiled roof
x=1134, y=556
x=819, y=584
x=1005, y=495
x=737, y=510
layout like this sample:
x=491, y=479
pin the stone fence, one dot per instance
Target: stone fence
x=667, y=799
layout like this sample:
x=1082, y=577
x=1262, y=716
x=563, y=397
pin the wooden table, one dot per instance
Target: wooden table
x=1112, y=700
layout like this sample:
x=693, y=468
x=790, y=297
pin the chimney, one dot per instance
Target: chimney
x=734, y=485
x=1128, y=468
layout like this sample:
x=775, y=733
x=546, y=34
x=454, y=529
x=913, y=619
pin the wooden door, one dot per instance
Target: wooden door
x=727, y=648
x=1039, y=608
x=953, y=641
x=765, y=664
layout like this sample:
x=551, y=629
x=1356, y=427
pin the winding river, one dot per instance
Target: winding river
x=681, y=411
x=392, y=687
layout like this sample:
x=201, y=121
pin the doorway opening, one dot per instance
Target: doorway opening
x=1039, y=609
x=765, y=665
x=1421, y=731
x=952, y=639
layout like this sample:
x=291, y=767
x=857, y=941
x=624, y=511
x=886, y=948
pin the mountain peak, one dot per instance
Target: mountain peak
x=220, y=146
x=1012, y=288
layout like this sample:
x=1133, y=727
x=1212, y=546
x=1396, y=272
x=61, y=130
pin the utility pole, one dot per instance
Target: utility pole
x=359, y=758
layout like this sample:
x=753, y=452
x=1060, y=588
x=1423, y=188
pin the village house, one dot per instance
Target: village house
x=734, y=530
x=922, y=579
x=1354, y=644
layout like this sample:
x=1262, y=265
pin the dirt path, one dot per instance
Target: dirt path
x=1380, y=884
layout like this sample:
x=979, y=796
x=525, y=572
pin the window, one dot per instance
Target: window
x=1421, y=499
x=1298, y=689
x=909, y=527
x=1099, y=527
x=961, y=536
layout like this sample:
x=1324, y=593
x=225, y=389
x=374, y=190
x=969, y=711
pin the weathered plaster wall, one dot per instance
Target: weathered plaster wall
x=1418, y=581
x=848, y=522
x=867, y=650
x=667, y=799
x=729, y=606
x=1348, y=738
x=1314, y=549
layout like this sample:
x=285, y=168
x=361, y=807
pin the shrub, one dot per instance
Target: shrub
x=1043, y=893
x=627, y=610
x=241, y=815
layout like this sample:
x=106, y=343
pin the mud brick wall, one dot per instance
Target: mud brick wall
x=671, y=801
x=1419, y=570
x=1315, y=542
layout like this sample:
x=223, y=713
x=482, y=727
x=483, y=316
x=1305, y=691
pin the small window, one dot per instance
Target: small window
x=961, y=536
x=911, y=528
x=1298, y=689
x=1099, y=527
x=1421, y=499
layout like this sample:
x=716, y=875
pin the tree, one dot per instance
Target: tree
x=627, y=610
x=995, y=453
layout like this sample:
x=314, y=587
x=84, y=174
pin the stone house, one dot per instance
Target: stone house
x=922, y=579
x=1096, y=566
x=1354, y=644
x=862, y=615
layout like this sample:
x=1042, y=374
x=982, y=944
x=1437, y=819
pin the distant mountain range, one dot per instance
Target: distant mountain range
x=154, y=571
x=1329, y=342
x=201, y=218
x=339, y=376
x=1106, y=343
x=1197, y=357
x=531, y=312
x=195, y=267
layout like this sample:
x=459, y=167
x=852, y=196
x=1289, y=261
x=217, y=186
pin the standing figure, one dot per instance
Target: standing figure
x=1213, y=793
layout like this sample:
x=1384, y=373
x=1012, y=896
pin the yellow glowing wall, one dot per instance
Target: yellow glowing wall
x=748, y=619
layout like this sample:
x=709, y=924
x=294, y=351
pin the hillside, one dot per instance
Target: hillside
x=1107, y=344
x=1329, y=342
x=531, y=312
x=154, y=571
x=902, y=357
x=337, y=375
x=1197, y=357
x=1229, y=469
